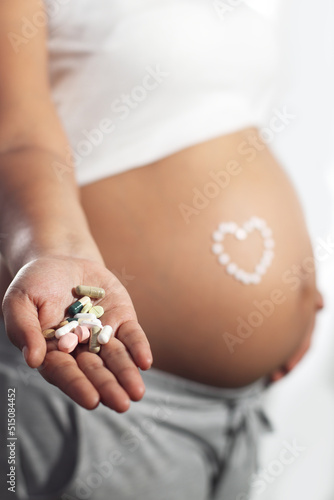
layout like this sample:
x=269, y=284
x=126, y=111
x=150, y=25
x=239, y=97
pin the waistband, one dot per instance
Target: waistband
x=176, y=382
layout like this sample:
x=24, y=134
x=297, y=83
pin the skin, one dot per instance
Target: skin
x=298, y=355
x=41, y=239
x=51, y=230
x=184, y=300
x=111, y=378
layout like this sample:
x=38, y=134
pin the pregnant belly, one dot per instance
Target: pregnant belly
x=223, y=307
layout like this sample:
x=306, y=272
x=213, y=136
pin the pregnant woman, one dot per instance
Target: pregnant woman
x=132, y=159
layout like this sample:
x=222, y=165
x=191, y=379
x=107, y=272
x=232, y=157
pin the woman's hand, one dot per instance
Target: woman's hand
x=38, y=298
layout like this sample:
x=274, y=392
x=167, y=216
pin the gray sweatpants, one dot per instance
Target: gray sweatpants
x=184, y=440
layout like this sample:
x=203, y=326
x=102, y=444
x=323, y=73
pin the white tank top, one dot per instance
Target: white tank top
x=137, y=80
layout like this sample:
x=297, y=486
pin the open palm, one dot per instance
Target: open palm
x=38, y=298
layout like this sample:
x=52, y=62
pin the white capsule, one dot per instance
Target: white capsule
x=66, y=329
x=255, y=278
x=241, y=234
x=239, y=275
x=249, y=226
x=261, y=269
x=244, y=278
x=217, y=248
x=232, y=268
x=258, y=223
x=231, y=227
x=217, y=236
x=90, y=323
x=266, y=232
x=105, y=334
x=223, y=227
x=85, y=316
x=228, y=227
x=224, y=259
x=269, y=243
x=267, y=257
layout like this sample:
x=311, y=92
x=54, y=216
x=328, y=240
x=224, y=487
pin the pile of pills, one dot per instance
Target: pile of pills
x=241, y=233
x=83, y=324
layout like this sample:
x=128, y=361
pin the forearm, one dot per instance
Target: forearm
x=40, y=211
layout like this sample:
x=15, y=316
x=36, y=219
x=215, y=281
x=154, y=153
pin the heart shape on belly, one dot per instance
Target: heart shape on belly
x=241, y=233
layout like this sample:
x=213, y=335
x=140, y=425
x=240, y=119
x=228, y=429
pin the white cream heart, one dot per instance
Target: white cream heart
x=241, y=233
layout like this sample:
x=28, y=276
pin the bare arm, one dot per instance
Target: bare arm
x=46, y=243
x=40, y=210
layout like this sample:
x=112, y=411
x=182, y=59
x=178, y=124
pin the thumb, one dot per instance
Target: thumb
x=23, y=327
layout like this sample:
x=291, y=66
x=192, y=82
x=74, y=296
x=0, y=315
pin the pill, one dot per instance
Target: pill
x=98, y=311
x=85, y=316
x=83, y=333
x=84, y=300
x=105, y=334
x=75, y=308
x=94, y=345
x=63, y=323
x=70, y=319
x=90, y=322
x=86, y=307
x=91, y=291
x=49, y=334
x=68, y=342
x=66, y=329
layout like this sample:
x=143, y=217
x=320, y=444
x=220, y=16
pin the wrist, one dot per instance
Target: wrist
x=26, y=247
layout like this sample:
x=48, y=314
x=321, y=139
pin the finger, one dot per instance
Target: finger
x=118, y=360
x=61, y=369
x=52, y=345
x=23, y=327
x=111, y=393
x=132, y=336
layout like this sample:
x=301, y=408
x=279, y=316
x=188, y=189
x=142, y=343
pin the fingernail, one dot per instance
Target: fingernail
x=25, y=353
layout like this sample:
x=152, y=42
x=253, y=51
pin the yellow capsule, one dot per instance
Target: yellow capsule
x=49, y=334
x=94, y=345
x=84, y=300
x=62, y=323
x=90, y=291
x=98, y=311
x=86, y=308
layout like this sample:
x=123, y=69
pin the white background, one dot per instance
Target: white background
x=302, y=405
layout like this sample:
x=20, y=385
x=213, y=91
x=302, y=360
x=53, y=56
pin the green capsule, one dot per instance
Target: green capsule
x=75, y=308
